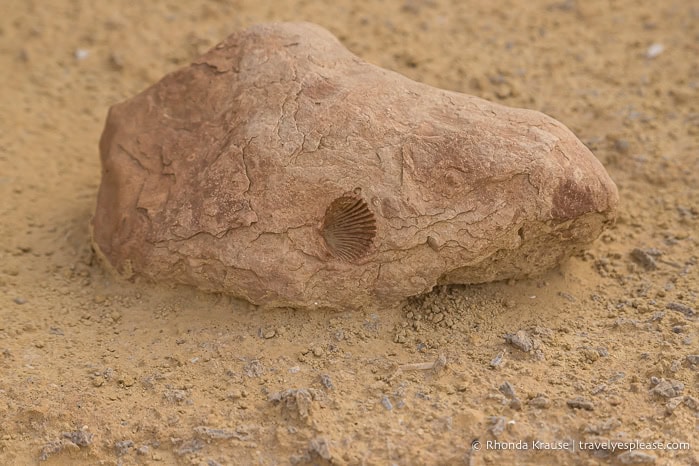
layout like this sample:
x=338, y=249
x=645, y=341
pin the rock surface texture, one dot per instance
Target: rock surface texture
x=282, y=169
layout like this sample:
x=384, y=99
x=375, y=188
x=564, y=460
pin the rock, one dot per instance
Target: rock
x=80, y=438
x=497, y=425
x=540, y=402
x=644, y=258
x=282, y=169
x=122, y=447
x=667, y=388
x=326, y=381
x=297, y=402
x=580, y=403
x=321, y=447
x=521, y=340
x=216, y=434
x=681, y=308
x=386, y=403
x=508, y=390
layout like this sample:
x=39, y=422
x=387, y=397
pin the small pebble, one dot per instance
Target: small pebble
x=681, y=308
x=234, y=394
x=643, y=258
x=621, y=146
x=497, y=360
x=81, y=438
x=540, y=402
x=521, y=340
x=667, y=388
x=673, y=403
x=654, y=50
x=497, y=425
x=567, y=296
x=116, y=62
x=143, y=450
x=508, y=390
x=123, y=447
x=386, y=403
x=590, y=354
x=213, y=433
x=19, y=300
x=81, y=54
x=616, y=377
x=326, y=381
x=580, y=403
x=599, y=389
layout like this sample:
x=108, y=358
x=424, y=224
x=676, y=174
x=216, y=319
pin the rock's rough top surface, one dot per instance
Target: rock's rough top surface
x=282, y=169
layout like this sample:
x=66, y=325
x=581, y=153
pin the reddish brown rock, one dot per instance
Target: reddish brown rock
x=281, y=168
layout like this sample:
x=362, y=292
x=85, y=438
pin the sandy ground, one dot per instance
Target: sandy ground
x=605, y=349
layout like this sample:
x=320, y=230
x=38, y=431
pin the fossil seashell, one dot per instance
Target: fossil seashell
x=349, y=228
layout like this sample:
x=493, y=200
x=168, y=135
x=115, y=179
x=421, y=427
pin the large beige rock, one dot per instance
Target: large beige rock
x=281, y=168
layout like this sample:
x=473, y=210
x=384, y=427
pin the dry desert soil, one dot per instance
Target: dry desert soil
x=598, y=359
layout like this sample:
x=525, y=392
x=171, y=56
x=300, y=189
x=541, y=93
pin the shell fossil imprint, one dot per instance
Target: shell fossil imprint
x=281, y=168
x=349, y=227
